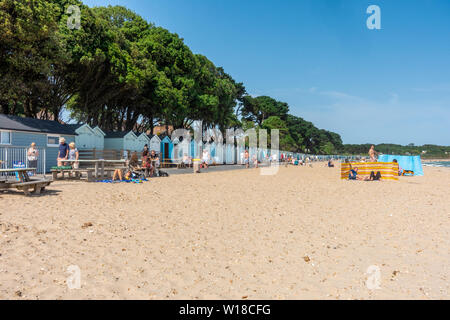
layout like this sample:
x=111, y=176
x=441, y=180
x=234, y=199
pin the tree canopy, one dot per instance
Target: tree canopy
x=121, y=72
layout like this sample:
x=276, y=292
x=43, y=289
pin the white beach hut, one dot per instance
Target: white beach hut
x=155, y=143
x=88, y=138
x=141, y=141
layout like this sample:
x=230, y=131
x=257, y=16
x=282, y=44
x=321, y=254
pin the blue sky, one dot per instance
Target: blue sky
x=370, y=86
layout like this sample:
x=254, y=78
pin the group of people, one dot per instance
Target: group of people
x=67, y=153
x=148, y=167
x=353, y=175
x=247, y=160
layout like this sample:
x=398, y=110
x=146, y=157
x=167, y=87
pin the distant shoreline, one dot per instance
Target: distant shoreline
x=435, y=160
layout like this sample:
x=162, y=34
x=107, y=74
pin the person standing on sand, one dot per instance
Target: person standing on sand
x=63, y=152
x=373, y=154
x=146, y=163
x=32, y=156
x=154, y=159
x=246, y=159
x=74, y=155
x=255, y=161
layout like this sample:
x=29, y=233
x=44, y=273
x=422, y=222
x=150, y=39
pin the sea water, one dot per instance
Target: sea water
x=438, y=164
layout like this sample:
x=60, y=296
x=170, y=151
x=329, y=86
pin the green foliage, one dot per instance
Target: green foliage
x=121, y=72
x=261, y=108
x=426, y=151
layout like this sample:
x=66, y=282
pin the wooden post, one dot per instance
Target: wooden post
x=103, y=169
x=96, y=169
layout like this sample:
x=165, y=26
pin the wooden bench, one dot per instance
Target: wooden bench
x=90, y=173
x=168, y=164
x=77, y=173
x=23, y=182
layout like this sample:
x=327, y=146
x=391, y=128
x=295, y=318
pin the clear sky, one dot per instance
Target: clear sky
x=370, y=86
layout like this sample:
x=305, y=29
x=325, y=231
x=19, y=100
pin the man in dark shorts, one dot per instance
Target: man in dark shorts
x=63, y=152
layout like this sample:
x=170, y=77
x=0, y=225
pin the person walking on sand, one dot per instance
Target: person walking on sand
x=32, y=156
x=205, y=159
x=373, y=154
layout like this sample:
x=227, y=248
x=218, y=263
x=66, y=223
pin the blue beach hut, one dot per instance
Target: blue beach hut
x=17, y=133
x=166, y=149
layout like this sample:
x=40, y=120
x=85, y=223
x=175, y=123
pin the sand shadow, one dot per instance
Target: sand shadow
x=44, y=193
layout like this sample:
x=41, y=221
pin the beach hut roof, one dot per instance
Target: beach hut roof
x=9, y=122
x=118, y=134
x=142, y=135
x=97, y=128
x=77, y=127
x=154, y=137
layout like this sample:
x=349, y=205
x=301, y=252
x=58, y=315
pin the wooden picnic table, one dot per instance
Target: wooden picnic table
x=24, y=182
x=99, y=164
x=21, y=172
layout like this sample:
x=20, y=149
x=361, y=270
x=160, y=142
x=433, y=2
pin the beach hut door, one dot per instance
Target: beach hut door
x=166, y=151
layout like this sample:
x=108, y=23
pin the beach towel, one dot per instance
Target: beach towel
x=138, y=181
x=388, y=170
x=410, y=163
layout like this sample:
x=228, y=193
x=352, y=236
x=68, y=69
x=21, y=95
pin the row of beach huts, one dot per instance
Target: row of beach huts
x=17, y=133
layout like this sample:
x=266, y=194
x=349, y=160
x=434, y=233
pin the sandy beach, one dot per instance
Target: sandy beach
x=301, y=234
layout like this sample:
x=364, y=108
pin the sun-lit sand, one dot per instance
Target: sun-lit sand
x=300, y=234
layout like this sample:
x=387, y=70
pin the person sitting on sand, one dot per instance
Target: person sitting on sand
x=330, y=164
x=375, y=177
x=186, y=161
x=118, y=175
x=134, y=162
x=353, y=175
x=400, y=169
